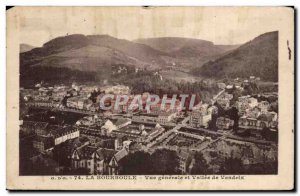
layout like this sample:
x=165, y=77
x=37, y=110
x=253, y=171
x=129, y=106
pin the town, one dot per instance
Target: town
x=64, y=131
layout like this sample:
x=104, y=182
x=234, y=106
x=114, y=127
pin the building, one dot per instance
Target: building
x=114, y=164
x=165, y=117
x=131, y=132
x=265, y=120
x=268, y=120
x=115, y=124
x=62, y=134
x=43, y=143
x=122, y=122
x=224, y=123
x=264, y=106
x=49, y=134
x=58, y=94
x=109, y=126
x=93, y=120
x=167, y=106
x=246, y=103
x=200, y=117
x=79, y=102
x=253, y=112
x=118, y=90
x=248, y=123
x=185, y=160
x=221, y=85
x=145, y=117
x=224, y=100
x=39, y=128
x=95, y=160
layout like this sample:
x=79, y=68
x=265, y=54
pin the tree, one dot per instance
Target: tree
x=60, y=155
x=232, y=166
x=200, y=166
x=138, y=163
x=164, y=162
x=233, y=114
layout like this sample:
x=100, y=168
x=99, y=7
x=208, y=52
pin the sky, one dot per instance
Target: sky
x=220, y=25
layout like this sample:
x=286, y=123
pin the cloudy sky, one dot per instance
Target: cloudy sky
x=219, y=25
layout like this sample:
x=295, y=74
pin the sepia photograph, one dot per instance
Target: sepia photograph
x=151, y=93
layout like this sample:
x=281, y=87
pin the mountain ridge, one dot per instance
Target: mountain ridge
x=94, y=55
x=25, y=47
x=258, y=57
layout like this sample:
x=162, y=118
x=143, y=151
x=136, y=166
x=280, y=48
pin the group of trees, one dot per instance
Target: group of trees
x=29, y=76
x=200, y=167
x=143, y=80
x=140, y=81
x=231, y=113
x=233, y=165
x=161, y=162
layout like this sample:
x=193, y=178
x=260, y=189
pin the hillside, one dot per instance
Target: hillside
x=185, y=47
x=81, y=52
x=93, y=56
x=258, y=57
x=25, y=47
x=189, y=52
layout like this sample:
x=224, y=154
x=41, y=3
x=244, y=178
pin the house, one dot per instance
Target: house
x=44, y=91
x=212, y=110
x=242, y=107
x=253, y=113
x=62, y=134
x=265, y=120
x=109, y=126
x=122, y=122
x=58, y=95
x=224, y=100
x=165, y=117
x=153, y=133
x=79, y=102
x=39, y=128
x=119, y=142
x=185, y=160
x=201, y=116
x=118, y=90
x=43, y=143
x=264, y=106
x=72, y=102
x=229, y=88
x=252, y=102
x=224, y=123
x=145, y=117
x=165, y=105
x=221, y=85
x=245, y=103
x=114, y=164
x=247, y=122
x=93, y=107
x=95, y=160
x=26, y=128
x=58, y=133
x=115, y=124
x=103, y=158
x=242, y=104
